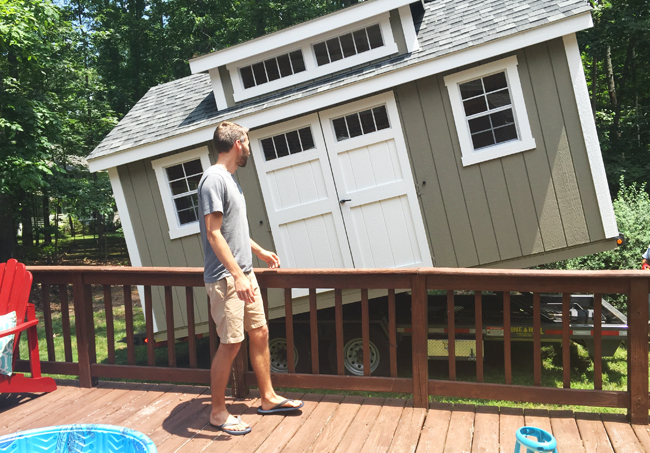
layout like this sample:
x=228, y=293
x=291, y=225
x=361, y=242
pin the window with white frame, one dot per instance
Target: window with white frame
x=361, y=123
x=489, y=111
x=178, y=179
x=272, y=69
x=348, y=45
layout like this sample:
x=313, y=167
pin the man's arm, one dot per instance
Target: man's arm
x=220, y=247
x=270, y=258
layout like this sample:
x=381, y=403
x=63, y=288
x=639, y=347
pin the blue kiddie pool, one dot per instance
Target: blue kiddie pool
x=78, y=439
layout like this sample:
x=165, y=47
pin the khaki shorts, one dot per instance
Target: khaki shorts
x=231, y=314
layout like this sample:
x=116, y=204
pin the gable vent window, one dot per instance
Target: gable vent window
x=488, y=108
x=361, y=123
x=272, y=69
x=289, y=143
x=183, y=182
x=348, y=45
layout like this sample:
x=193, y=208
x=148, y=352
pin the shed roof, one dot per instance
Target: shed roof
x=446, y=27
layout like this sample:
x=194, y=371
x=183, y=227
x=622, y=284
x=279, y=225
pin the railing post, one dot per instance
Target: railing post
x=82, y=317
x=238, y=378
x=637, y=351
x=419, y=324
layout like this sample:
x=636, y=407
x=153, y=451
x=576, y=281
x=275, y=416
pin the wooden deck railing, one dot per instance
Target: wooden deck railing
x=634, y=284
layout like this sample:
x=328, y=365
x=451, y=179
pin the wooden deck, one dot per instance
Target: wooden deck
x=175, y=417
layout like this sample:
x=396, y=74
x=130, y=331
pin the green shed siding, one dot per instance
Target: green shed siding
x=524, y=204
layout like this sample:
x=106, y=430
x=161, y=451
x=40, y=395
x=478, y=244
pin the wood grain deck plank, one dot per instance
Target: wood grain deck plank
x=213, y=439
x=408, y=430
x=313, y=426
x=333, y=432
x=566, y=432
x=486, y=430
x=461, y=429
x=264, y=428
x=434, y=432
x=643, y=435
x=18, y=406
x=358, y=431
x=179, y=417
x=154, y=391
x=195, y=420
x=593, y=433
x=510, y=420
x=291, y=424
x=115, y=405
x=621, y=434
x=383, y=430
x=152, y=417
x=538, y=418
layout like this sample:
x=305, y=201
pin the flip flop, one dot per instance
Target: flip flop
x=279, y=408
x=233, y=432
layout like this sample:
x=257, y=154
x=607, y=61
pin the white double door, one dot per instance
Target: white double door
x=341, y=202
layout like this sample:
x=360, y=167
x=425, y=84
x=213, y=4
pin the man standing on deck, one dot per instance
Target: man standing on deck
x=235, y=301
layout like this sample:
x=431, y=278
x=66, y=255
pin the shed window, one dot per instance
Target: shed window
x=288, y=143
x=348, y=45
x=489, y=111
x=183, y=183
x=361, y=123
x=272, y=69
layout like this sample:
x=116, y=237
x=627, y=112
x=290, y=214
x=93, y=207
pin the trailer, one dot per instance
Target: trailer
x=613, y=324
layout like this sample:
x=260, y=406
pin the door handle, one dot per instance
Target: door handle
x=344, y=200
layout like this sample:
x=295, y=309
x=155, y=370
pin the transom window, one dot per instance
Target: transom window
x=361, y=123
x=183, y=183
x=288, y=143
x=488, y=108
x=348, y=45
x=272, y=69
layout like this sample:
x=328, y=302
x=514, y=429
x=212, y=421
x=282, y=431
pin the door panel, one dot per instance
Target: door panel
x=372, y=173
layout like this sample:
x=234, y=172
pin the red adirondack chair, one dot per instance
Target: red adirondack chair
x=15, y=286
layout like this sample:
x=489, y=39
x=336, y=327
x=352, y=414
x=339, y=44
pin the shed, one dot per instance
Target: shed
x=392, y=133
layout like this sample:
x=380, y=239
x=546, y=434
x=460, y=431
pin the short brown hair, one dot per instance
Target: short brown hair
x=227, y=134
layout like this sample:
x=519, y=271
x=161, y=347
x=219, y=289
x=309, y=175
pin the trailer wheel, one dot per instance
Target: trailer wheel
x=279, y=355
x=353, y=352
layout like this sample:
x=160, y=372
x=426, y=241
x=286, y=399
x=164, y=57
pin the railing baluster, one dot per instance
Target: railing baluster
x=47, y=320
x=313, y=329
x=171, y=334
x=338, y=307
x=65, y=322
x=566, y=340
x=81, y=330
x=365, y=332
x=110, y=331
x=148, y=310
x=90, y=323
x=288, y=319
x=392, y=332
x=128, y=320
x=451, y=335
x=419, y=322
x=265, y=301
x=191, y=332
x=537, y=340
x=598, y=342
x=507, y=345
x=478, y=326
x=212, y=332
x=637, y=353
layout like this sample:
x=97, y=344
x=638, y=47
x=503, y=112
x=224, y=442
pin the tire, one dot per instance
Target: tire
x=353, y=352
x=278, y=351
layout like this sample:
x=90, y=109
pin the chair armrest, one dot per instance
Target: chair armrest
x=19, y=328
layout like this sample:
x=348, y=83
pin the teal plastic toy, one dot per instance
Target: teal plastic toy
x=545, y=441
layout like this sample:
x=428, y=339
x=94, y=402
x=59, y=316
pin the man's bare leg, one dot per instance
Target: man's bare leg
x=219, y=374
x=261, y=361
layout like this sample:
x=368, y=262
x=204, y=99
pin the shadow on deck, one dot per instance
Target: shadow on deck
x=175, y=417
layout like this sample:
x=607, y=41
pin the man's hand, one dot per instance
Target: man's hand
x=270, y=258
x=244, y=289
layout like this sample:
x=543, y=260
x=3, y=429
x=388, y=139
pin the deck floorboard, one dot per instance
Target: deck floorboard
x=177, y=419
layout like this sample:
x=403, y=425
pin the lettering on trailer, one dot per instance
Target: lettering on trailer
x=515, y=331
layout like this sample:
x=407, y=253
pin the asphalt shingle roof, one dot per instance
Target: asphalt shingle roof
x=447, y=26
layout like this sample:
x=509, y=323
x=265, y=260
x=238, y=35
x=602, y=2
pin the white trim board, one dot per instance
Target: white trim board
x=296, y=33
x=591, y=135
x=352, y=91
x=127, y=227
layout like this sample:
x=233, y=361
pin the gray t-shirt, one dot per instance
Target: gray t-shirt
x=220, y=192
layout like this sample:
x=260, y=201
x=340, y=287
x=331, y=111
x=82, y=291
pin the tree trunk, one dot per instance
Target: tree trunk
x=594, y=85
x=7, y=229
x=611, y=84
x=26, y=220
x=47, y=237
x=621, y=88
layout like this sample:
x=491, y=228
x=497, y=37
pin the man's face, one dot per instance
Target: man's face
x=242, y=160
